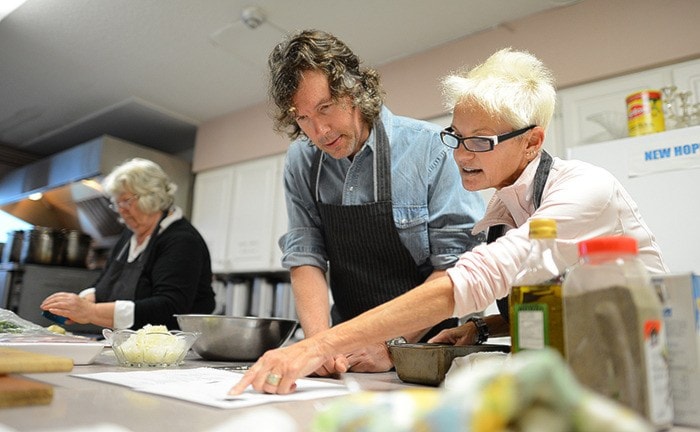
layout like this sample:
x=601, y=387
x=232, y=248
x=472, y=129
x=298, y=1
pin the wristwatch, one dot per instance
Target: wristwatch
x=481, y=328
x=396, y=341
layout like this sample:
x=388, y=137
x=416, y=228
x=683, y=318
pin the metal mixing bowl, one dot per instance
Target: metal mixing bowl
x=228, y=338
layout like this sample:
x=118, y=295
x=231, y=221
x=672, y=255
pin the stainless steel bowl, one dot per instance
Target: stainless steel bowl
x=228, y=338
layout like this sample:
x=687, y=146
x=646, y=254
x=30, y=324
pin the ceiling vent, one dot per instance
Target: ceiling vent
x=253, y=17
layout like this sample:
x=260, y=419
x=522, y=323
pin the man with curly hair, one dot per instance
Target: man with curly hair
x=372, y=198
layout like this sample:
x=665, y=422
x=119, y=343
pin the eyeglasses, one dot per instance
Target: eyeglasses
x=478, y=144
x=123, y=204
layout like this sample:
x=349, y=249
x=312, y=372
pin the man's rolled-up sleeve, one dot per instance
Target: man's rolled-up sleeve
x=303, y=243
x=303, y=246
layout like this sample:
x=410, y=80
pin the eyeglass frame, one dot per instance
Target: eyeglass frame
x=493, y=140
x=123, y=204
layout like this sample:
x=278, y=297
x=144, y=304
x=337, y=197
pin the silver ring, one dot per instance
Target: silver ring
x=273, y=379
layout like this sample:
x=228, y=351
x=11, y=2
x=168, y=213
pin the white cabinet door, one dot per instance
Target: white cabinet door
x=211, y=207
x=252, y=215
x=241, y=213
x=280, y=216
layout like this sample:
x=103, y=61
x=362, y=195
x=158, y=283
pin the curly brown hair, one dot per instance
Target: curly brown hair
x=320, y=51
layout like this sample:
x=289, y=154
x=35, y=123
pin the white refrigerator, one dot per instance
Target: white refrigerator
x=662, y=173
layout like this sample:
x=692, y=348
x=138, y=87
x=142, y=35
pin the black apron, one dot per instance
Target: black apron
x=497, y=231
x=122, y=277
x=369, y=265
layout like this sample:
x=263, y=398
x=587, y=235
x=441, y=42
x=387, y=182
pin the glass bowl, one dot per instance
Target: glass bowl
x=143, y=348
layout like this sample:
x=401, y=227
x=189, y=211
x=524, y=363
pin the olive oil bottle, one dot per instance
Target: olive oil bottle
x=535, y=303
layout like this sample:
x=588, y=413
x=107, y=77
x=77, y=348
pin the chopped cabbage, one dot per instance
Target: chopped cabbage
x=153, y=345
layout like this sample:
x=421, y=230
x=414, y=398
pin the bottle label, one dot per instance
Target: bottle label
x=659, y=390
x=536, y=317
x=531, y=322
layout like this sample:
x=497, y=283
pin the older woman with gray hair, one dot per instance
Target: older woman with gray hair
x=159, y=267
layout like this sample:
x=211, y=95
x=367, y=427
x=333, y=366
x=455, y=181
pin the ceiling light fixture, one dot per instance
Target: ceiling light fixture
x=9, y=6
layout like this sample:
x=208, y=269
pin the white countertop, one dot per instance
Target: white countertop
x=79, y=402
x=84, y=404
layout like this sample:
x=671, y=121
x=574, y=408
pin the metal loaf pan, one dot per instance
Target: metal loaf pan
x=426, y=363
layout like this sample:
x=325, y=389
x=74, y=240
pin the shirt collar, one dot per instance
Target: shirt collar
x=511, y=205
x=385, y=117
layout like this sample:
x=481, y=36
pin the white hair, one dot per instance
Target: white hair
x=145, y=178
x=512, y=85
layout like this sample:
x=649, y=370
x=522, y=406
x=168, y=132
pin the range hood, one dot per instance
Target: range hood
x=69, y=184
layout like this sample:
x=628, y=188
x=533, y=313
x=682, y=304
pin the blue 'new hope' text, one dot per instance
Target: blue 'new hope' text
x=664, y=153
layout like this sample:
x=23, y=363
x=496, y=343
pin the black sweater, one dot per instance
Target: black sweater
x=176, y=278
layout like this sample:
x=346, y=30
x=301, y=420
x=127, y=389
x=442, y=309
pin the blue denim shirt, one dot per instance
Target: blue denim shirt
x=434, y=214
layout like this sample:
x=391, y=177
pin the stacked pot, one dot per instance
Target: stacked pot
x=47, y=246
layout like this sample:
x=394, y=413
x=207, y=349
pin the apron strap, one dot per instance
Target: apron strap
x=541, y=178
x=382, y=163
x=315, y=174
x=495, y=232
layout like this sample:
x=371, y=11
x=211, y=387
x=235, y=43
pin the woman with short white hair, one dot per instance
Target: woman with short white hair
x=159, y=267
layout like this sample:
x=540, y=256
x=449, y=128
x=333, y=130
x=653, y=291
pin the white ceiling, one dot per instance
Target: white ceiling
x=150, y=71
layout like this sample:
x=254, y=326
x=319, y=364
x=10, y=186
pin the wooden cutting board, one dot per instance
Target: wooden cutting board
x=18, y=361
x=19, y=391
x=16, y=391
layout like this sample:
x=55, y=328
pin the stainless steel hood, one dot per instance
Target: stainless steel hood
x=69, y=183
